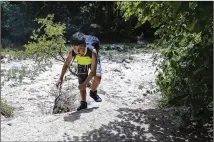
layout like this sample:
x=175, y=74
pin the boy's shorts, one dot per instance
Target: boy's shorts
x=83, y=71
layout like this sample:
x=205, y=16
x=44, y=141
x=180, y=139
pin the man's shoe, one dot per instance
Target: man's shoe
x=95, y=96
x=83, y=105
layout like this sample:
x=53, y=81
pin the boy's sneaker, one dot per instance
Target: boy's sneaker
x=95, y=96
x=83, y=105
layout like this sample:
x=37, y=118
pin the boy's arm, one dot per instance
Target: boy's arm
x=66, y=65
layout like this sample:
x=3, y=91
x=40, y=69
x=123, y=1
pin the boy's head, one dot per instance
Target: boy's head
x=78, y=43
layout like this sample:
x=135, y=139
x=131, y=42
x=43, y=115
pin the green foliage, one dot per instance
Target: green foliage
x=185, y=34
x=6, y=110
x=124, y=57
x=97, y=18
x=48, y=40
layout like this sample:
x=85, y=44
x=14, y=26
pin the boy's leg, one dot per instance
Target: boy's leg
x=83, y=95
x=96, y=82
x=83, y=103
x=97, y=78
x=82, y=78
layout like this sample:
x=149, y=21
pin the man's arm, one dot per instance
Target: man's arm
x=93, y=67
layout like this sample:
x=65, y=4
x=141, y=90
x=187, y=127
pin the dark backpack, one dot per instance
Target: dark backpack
x=92, y=40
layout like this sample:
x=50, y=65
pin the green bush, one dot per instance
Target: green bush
x=184, y=31
x=48, y=40
x=6, y=110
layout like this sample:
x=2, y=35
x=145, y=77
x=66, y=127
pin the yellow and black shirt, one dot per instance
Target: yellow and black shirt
x=84, y=62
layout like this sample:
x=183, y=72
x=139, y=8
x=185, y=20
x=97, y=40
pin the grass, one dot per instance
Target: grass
x=19, y=54
x=17, y=74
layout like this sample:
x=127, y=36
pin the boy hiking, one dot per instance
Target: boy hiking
x=85, y=49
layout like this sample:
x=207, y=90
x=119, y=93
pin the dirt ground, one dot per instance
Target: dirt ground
x=128, y=112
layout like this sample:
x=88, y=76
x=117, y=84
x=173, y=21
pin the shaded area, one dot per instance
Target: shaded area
x=145, y=125
x=76, y=115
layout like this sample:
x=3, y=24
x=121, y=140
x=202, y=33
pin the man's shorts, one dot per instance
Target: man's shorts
x=83, y=70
